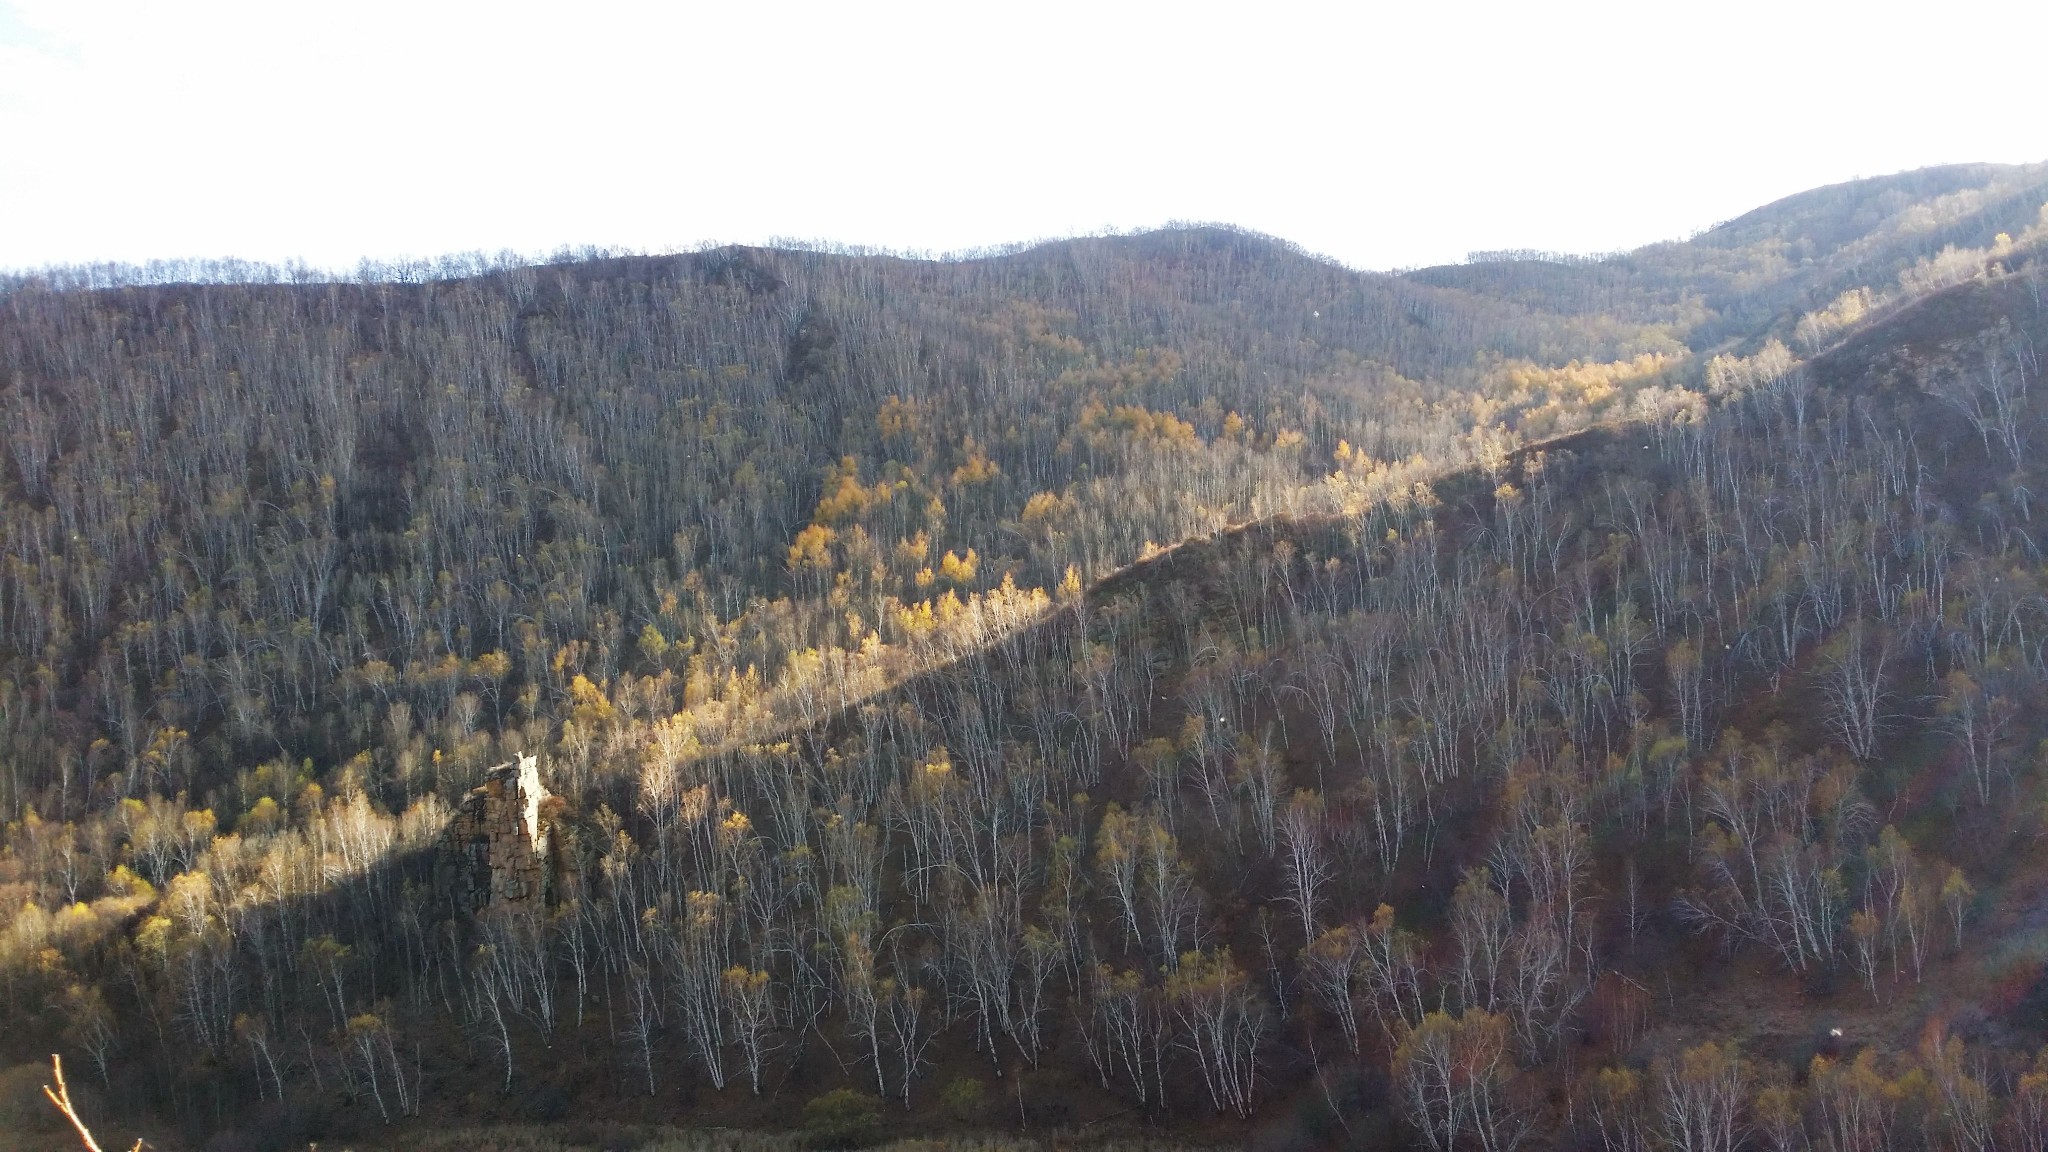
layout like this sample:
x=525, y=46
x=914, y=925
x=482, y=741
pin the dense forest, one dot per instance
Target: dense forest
x=1165, y=682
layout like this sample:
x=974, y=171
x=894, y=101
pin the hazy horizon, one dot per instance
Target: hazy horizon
x=1382, y=140
x=470, y=260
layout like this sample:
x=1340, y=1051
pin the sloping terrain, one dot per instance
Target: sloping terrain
x=1597, y=781
x=1765, y=269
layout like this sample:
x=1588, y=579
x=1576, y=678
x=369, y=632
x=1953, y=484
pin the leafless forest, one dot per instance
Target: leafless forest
x=1163, y=682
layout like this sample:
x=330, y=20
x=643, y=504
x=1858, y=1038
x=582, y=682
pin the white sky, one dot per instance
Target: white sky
x=1382, y=133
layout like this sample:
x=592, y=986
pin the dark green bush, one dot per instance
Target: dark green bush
x=842, y=1118
x=963, y=1098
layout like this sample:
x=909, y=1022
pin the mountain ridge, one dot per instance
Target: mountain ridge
x=1044, y=680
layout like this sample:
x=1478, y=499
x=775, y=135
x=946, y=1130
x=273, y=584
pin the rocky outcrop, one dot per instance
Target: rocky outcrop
x=496, y=851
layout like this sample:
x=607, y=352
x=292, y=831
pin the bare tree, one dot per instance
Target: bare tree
x=1620, y=1110
x=749, y=1001
x=1453, y=1077
x=1853, y=682
x=1701, y=1095
x=60, y=1097
x=1328, y=965
x=1305, y=861
x=1225, y=1026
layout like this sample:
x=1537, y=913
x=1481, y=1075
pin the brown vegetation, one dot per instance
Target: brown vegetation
x=943, y=720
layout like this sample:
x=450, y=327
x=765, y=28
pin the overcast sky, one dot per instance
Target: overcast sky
x=1384, y=134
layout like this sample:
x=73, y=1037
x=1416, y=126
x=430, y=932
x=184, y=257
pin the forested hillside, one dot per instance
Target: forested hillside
x=234, y=501
x=1162, y=681
x=1804, y=256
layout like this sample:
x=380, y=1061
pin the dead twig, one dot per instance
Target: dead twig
x=61, y=1097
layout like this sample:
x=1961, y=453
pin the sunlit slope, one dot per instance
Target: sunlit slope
x=1231, y=822
x=1763, y=269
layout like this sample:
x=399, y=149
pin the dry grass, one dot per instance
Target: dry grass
x=572, y=1138
x=530, y=1138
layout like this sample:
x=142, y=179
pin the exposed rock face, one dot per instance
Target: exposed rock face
x=495, y=852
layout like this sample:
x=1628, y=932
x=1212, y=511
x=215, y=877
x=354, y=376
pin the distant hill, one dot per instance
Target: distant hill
x=1729, y=283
